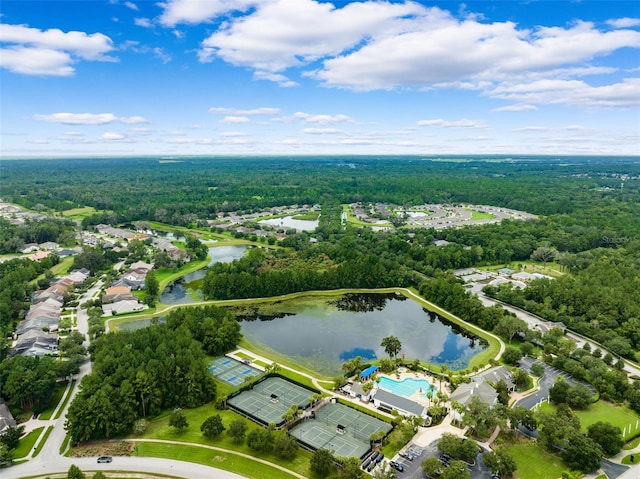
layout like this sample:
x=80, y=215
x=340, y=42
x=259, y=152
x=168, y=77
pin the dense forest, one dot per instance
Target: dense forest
x=589, y=217
x=178, y=192
x=141, y=373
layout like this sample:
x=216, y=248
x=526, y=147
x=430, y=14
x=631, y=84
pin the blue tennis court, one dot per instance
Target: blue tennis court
x=232, y=371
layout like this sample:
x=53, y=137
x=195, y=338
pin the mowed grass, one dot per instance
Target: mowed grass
x=603, y=411
x=534, y=462
x=26, y=443
x=159, y=429
x=79, y=213
x=208, y=457
x=481, y=215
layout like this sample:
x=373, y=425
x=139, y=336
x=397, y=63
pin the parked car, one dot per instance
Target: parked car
x=102, y=459
x=398, y=467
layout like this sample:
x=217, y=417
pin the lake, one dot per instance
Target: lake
x=322, y=335
x=177, y=292
x=290, y=222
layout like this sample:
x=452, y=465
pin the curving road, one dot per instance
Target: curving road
x=49, y=461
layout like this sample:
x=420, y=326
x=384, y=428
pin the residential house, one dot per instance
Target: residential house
x=6, y=418
x=495, y=375
x=40, y=255
x=467, y=391
x=35, y=343
x=125, y=306
x=29, y=248
x=49, y=245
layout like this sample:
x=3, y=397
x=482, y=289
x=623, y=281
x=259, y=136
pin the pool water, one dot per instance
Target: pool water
x=407, y=387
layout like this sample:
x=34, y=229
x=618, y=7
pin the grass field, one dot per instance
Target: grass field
x=79, y=213
x=480, y=215
x=208, y=457
x=619, y=416
x=534, y=462
x=26, y=443
x=60, y=389
x=529, y=266
x=66, y=400
x=160, y=429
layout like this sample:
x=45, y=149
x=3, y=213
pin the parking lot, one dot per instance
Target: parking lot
x=413, y=468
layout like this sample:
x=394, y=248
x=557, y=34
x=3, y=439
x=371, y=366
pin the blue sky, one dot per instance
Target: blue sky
x=184, y=77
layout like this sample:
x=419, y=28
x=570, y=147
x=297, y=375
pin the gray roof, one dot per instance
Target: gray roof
x=494, y=375
x=481, y=390
x=6, y=418
x=400, y=403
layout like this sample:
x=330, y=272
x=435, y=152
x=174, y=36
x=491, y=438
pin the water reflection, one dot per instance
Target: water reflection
x=321, y=337
x=188, y=289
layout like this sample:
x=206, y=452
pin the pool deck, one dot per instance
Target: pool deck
x=418, y=396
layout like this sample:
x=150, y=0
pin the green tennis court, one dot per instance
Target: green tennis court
x=340, y=428
x=270, y=399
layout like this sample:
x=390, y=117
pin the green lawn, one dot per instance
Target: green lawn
x=26, y=443
x=480, y=215
x=44, y=440
x=534, y=462
x=619, y=416
x=79, y=213
x=529, y=266
x=66, y=400
x=159, y=429
x=221, y=460
x=46, y=414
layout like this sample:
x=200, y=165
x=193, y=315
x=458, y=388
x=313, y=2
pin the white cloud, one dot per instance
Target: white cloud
x=49, y=52
x=36, y=61
x=464, y=123
x=199, y=11
x=281, y=33
x=88, y=118
x=625, y=94
x=133, y=119
x=111, y=135
x=518, y=107
x=143, y=22
x=237, y=111
x=321, y=131
x=131, y=5
x=278, y=78
x=322, y=119
x=232, y=134
x=625, y=22
x=441, y=49
x=234, y=119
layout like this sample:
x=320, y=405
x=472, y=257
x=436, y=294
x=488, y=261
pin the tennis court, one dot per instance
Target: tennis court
x=270, y=399
x=355, y=427
x=320, y=436
x=232, y=371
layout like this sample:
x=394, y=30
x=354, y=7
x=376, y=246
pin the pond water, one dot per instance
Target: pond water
x=322, y=337
x=291, y=222
x=177, y=292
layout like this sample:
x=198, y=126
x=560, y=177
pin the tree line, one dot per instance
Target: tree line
x=141, y=373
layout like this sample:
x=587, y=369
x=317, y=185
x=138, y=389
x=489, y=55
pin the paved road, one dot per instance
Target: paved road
x=534, y=321
x=41, y=467
x=50, y=461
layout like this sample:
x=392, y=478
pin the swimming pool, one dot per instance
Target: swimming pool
x=407, y=387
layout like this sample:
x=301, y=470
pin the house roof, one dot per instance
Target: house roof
x=494, y=375
x=118, y=290
x=481, y=390
x=6, y=418
x=400, y=403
